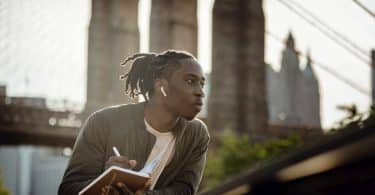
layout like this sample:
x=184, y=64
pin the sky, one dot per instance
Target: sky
x=345, y=17
x=46, y=47
x=348, y=19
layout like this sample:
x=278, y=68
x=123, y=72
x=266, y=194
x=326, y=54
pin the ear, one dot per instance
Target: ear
x=160, y=82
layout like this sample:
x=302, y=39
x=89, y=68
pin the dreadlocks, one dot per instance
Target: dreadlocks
x=147, y=67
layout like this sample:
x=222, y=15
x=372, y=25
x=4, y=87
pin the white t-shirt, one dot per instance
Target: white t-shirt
x=164, y=145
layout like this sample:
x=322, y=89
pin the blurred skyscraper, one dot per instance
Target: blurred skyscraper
x=30, y=170
x=293, y=93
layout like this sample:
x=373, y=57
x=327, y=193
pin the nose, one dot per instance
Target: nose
x=199, y=92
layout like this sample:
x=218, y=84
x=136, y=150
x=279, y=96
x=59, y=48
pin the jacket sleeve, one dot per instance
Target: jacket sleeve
x=87, y=160
x=188, y=179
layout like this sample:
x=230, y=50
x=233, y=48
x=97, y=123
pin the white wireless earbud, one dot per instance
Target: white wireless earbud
x=163, y=92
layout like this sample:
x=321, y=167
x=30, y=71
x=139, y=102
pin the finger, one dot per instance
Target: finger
x=110, y=164
x=118, y=164
x=117, y=191
x=120, y=189
x=118, y=159
x=105, y=190
x=144, y=188
x=124, y=188
x=123, y=165
x=111, y=190
x=148, y=184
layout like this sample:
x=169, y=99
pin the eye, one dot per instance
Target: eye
x=190, y=81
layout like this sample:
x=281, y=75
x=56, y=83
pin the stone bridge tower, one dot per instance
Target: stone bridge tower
x=238, y=97
x=113, y=35
x=173, y=25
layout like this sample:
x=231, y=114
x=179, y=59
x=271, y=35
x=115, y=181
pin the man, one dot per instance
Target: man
x=172, y=85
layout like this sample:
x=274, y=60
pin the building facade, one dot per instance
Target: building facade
x=293, y=92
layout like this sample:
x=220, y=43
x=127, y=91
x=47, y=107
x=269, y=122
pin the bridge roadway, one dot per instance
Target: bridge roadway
x=40, y=126
x=37, y=126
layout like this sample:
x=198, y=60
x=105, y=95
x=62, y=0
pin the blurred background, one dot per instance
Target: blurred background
x=281, y=74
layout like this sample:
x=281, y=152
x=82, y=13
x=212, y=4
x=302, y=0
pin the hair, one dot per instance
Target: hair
x=146, y=67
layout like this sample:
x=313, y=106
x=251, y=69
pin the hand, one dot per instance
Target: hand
x=116, y=189
x=122, y=189
x=120, y=161
x=145, y=187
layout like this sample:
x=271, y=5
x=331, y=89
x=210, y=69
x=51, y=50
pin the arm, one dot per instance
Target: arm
x=87, y=160
x=188, y=179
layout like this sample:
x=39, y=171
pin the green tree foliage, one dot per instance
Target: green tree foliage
x=3, y=189
x=234, y=154
x=354, y=119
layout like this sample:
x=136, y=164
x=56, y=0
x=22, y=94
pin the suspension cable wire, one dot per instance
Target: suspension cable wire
x=341, y=36
x=332, y=72
x=364, y=8
x=333, y=38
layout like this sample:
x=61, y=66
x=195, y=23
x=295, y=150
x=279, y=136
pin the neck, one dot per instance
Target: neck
x=159, y=117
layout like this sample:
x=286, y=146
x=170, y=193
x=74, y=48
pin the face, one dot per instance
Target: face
x=185, y=90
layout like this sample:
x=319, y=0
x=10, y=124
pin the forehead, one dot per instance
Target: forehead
x=189, y=67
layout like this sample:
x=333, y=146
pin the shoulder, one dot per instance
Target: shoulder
x=110, y=119
x=197, y=128
x=114, y=111
x=112, y=116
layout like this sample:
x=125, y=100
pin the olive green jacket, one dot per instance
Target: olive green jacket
x=123, y=126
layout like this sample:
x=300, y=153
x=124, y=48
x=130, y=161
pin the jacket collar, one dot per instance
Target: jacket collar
x=177, y=130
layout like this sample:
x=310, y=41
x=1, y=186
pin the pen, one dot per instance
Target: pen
x=115, y=151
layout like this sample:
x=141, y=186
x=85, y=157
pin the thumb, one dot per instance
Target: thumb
x=148, y=184
x=132, y=163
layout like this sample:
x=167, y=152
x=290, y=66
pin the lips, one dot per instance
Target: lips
x=198, y=105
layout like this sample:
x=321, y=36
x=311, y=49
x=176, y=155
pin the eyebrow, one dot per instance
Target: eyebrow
x=195, y=76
